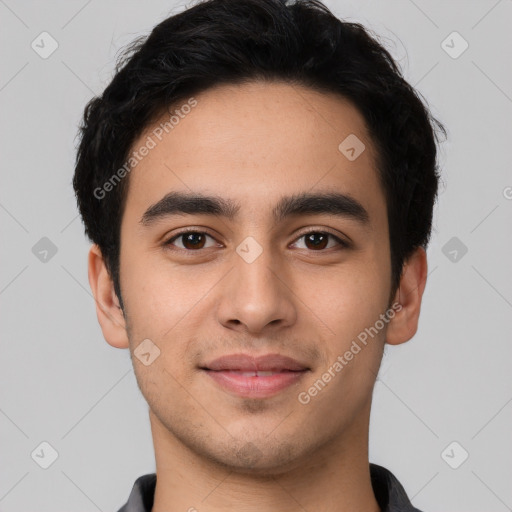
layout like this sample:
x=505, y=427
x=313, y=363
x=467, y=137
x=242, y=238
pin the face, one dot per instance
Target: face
x=302, y=279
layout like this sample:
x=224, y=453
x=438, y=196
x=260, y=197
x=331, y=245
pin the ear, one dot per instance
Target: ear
x=404, y=324
x=108, y=310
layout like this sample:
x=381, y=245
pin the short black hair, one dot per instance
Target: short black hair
x=218, y=42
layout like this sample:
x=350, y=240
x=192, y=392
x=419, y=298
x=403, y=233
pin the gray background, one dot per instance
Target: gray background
x=60, y=382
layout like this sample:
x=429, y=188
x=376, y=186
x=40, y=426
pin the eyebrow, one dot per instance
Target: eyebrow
x=185, y=203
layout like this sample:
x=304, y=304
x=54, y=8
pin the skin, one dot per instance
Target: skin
x=215, y=451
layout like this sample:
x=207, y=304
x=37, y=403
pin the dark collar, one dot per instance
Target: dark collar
x=389, y=493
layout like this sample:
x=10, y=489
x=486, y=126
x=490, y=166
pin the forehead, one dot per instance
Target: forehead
x=255, y=143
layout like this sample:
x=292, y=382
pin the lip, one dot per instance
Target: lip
x=247, y=363
x=241, y=374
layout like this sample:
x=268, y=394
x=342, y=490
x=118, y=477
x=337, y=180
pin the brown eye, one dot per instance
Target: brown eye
x=193, y=240
x=190, y=240
x=319, y=240
x=316, y=240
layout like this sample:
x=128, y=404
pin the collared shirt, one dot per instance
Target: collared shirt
x=389, y=493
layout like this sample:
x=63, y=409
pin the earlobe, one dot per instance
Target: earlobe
x=404, y=324
x=108, y=310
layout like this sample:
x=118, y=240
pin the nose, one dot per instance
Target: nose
x=257, y=295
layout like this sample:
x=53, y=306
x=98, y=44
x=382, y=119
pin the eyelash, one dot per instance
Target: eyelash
x=169, y=243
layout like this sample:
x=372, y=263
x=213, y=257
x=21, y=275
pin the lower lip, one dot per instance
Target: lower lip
x=255, y=386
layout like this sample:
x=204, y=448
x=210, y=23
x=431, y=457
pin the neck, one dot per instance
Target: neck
x=335, y=477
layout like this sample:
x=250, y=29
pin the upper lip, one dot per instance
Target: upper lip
x=247, y=363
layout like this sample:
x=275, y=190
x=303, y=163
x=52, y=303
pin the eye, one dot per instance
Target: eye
x=318, y=240
x=195, y=240
x=191, y=240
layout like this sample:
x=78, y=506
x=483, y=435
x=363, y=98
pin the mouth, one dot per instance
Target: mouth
x=255, y=377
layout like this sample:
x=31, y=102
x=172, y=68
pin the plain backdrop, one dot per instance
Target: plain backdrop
x=445, y=395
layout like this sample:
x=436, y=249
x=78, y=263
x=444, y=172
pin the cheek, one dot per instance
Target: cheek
x=351, y=303
x=156, y=293
x=352, y=297
x=352, y=307
x=160, y=306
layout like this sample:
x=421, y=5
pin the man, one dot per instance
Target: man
x=258, y=181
